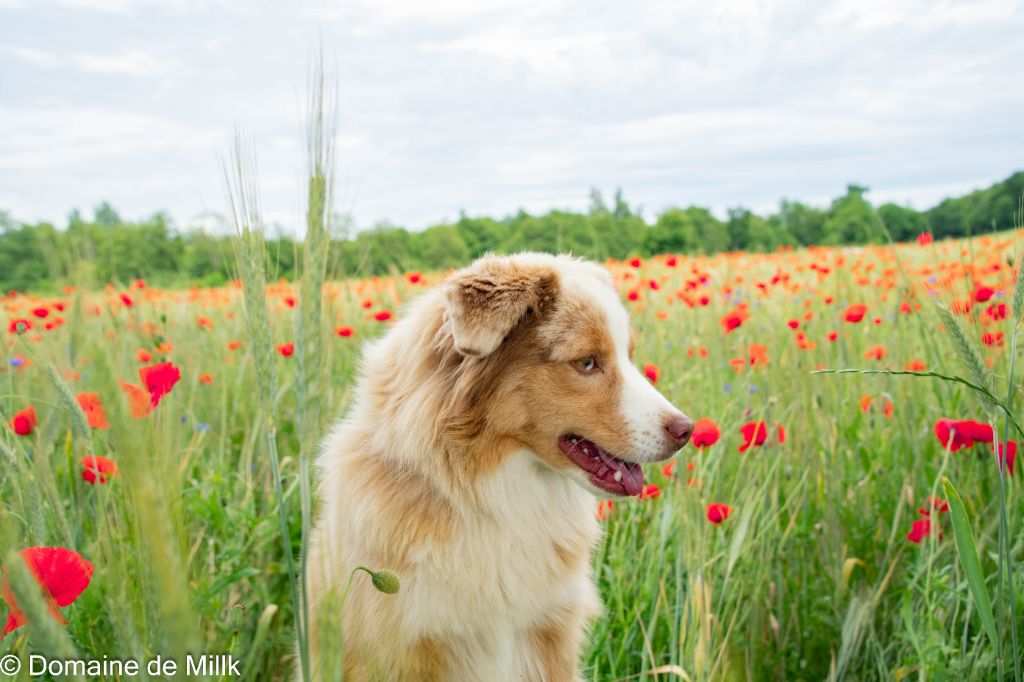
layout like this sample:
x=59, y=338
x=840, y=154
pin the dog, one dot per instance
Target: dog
x=483, y=425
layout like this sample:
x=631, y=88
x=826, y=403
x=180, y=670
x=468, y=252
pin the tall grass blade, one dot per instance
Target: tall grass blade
x=251, y=255
x=1017, y=306
x=967, y=551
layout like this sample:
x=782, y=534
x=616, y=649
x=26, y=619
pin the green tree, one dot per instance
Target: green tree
x=480, y=235
x=804, y=222
x=438, y=248
x=851, y=219
x=903, y=223
x=105, y=215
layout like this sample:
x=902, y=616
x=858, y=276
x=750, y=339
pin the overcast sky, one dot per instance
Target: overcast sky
x=491, y=105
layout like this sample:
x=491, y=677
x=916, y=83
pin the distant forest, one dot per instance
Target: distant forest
x=41, y=256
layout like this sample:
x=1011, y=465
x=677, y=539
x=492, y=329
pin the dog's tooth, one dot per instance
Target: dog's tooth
x=618, y=475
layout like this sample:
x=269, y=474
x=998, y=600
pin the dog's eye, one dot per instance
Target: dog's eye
x=587, y=365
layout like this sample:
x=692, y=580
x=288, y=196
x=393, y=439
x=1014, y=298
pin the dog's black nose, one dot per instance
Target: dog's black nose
x=679, y=428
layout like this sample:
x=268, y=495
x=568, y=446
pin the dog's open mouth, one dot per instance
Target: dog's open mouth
x=607, y=472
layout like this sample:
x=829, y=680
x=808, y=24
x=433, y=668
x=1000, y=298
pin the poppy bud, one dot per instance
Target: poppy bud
x=384, y=581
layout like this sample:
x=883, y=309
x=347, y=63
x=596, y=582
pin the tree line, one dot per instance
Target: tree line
x=108, y=248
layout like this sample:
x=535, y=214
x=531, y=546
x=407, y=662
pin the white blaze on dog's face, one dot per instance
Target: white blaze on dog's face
x=554, y=343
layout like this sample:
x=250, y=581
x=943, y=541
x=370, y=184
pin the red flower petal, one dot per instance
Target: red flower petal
x=159, y=379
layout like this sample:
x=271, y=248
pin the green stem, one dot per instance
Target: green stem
x=1004, y=526
x=297, y=605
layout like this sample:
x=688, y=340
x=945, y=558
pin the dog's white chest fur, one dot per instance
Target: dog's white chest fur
x=518, y=559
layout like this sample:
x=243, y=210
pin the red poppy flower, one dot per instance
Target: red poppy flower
x=982, y=294
x=961, y=307
x=756, y=434
x=948, y=434
x=127, y=300
x=140, y=401
x=414, y=277
x=734, y=318
x=41, y=312
x=1008, y=455
x=367, y=304
x=98, y=468
x=63, y=575
x=605, y=508
x=343, y=331
x=996, y=311
x=93, y=408
x=633, y=295
x=758, y=354
x=204, y=322
x=671, y=261
x=289, y=301
x=793, y=324
x=24, y=421
x=875, y=353
x=915, y=366
x=234, y=345
x=19, y=326
x=717, y=512
x=921, y=529
x=652, y=372
x=976, y=431
x=669, y=470
x=992, y=339
x=635, y=262
x=855, y=313
x=286, y=349
x=705, y=433
x=143, y=355
x=159, y=379
x=962, y=434
x=650, y=491
x=832, y=336
x=924, y=238
x=382, y=315
x=936, y=504
x=206, y=378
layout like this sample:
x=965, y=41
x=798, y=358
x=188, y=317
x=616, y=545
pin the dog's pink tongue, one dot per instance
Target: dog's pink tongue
x=633, y=480
x=630, y=476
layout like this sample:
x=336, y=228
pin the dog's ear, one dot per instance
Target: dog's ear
x=488, y=299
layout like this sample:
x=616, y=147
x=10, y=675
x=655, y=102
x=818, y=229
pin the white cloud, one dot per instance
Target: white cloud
x=33, y=56
x=130, y=63
x=497, y=104
x=918, y=15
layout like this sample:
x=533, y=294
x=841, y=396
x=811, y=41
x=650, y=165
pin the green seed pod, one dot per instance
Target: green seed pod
x=384, y=582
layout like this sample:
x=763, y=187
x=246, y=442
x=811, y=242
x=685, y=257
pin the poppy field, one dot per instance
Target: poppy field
x=860, y=525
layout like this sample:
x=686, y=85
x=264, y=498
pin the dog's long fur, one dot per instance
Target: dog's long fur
x=447, y=472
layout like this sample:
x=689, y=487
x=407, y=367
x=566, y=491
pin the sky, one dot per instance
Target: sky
x=489, y=106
